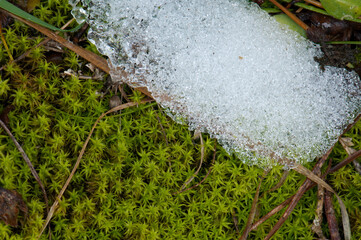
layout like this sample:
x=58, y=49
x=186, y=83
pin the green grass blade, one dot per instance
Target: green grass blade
x=17, y=11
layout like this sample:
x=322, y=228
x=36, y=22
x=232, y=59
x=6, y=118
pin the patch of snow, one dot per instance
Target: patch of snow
x=229, y=69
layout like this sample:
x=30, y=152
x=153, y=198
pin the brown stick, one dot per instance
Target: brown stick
x=346, y=161
x=272, y=212
x=96, y=60
x=297, y=197
x=309, y=186
x=331, y=218
x=86, y=54
x=291, y=15
x=316, y=226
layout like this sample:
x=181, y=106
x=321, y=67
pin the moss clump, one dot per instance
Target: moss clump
x=124, y=186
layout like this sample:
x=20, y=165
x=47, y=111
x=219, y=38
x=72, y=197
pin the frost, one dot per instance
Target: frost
x=228, y=69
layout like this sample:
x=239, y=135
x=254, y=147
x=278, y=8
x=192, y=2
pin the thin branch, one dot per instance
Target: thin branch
x=272, y=212
x=316, y=225
x=28, y=162
x=346, y=161
x=309, y=186
x=291, y=15
x=331, y=218
x=296, y=199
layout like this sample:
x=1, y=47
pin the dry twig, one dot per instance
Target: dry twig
x=295, y=200
x=331, y=218
x=316, y=225
x=291, y=15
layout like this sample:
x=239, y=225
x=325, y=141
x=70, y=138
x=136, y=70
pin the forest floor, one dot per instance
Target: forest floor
x=129, y=179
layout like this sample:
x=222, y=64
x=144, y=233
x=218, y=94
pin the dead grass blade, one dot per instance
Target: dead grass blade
x=24, y=55
x=58, y=198
x=345, y=219
x=279, y=184
x=199, y=167
x=28, y=162
x=205, y=177
x=252, y=213
x=89, y=56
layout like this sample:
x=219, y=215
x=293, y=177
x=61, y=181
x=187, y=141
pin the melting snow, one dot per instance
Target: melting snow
x=229, y=69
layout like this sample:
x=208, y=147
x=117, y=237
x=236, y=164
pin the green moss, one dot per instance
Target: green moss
x=124, y=186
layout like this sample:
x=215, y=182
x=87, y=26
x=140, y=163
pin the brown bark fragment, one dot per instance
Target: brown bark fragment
x=10, y=204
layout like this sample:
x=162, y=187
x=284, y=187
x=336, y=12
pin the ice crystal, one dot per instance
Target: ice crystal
x=229, y=69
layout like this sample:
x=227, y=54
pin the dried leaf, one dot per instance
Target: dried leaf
x=10, y=204
x=347, y=141
x=347, y=144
